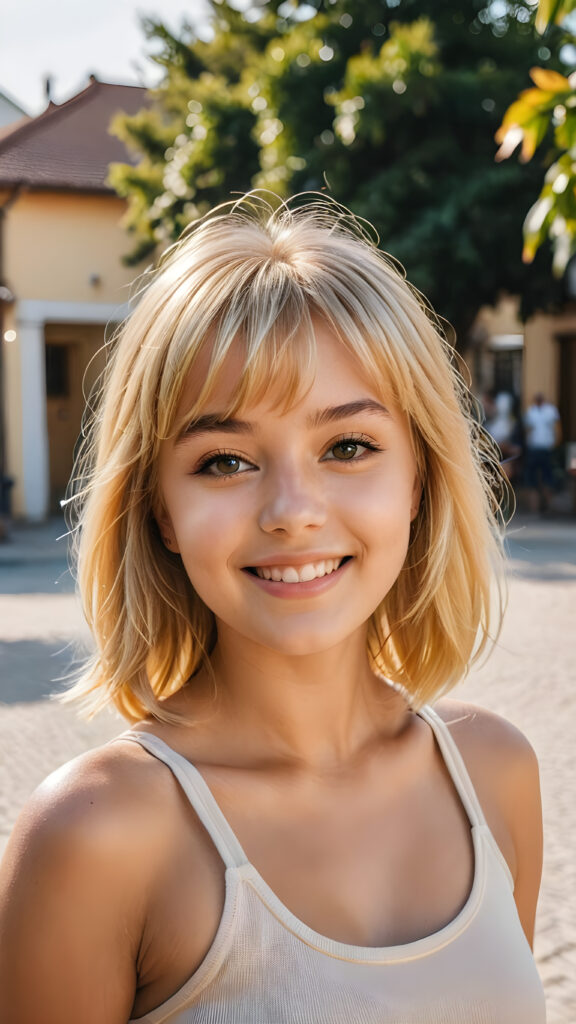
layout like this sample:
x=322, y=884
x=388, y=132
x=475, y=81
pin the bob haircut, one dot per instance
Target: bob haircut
x=254, y=273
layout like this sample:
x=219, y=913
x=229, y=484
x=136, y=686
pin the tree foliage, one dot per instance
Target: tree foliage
x=390, y=105
x=547, y=112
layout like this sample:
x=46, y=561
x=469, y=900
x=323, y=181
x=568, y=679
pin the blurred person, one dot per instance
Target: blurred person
x=506, y=429
x=543, y=434
x=287, y=552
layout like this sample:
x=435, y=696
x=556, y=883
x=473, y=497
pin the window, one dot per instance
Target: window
x=57, y=371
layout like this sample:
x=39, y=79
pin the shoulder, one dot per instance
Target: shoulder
x=90, y=818
x=93, y=793
x=74, y=889
x=104, y=859
x=477, y=731
x=497, y=754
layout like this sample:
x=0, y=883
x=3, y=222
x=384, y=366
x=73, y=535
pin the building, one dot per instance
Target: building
x=62, y=283
x=524, y=358
x=10, y=113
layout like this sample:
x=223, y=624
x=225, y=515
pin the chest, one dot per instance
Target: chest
x=359, y=861
x=364, y=865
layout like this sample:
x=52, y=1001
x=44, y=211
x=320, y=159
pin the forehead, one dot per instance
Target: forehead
x=327, y=371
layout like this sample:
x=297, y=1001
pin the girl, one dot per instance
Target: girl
x=286, y=553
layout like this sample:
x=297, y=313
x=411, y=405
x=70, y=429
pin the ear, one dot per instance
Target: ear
x=164, y=524
x=416, y=499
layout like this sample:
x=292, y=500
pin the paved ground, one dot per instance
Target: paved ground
x=530, y=678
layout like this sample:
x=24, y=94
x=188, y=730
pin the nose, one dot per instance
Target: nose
x=293, y=503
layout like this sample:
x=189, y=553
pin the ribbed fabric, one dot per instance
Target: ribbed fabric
x=266, y=966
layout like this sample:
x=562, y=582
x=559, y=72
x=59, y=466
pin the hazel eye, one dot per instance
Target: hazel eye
x=223, y=464
x=227, y=465
x=345, y=450
x=351, y=449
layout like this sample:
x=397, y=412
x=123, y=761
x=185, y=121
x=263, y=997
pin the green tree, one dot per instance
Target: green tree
x=391, y=105
x=547, y=113
x=196, y=137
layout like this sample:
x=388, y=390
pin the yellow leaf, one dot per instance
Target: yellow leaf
x=517, y=113
x=526, y=106
x=552, y=81
x=528, y=144
x=534, y=133
x=508, y=139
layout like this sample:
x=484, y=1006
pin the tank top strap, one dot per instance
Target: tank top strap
x=198, y=794
x=455, y=764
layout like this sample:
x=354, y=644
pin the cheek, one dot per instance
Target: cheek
x=381, y=519
x=384, y=502
x=207, y=528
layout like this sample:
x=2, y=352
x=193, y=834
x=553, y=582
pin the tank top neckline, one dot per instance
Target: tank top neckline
x=239, y=867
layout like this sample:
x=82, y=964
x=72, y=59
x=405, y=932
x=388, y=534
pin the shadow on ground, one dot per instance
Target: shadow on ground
x=18, y=576
x=548, y=560
x=32, y=670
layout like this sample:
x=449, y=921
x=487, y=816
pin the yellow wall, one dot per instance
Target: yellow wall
x=541, y=370
x=501, y=319
x=54, y=243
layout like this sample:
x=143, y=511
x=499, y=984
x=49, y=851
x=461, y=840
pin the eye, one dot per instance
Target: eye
x=221, y=464
x=345, y=450
x=350, y=449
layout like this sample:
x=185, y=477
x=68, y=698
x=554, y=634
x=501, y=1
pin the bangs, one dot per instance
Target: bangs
x=253, y=359
x=264, y=348
x=247, y=295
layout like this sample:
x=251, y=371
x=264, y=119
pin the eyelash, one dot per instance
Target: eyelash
x=222, y=453
x=359, y=439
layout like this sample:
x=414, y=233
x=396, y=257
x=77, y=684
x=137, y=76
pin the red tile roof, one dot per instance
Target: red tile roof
x=69, y=145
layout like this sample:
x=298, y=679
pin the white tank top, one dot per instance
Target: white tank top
x=265, y=966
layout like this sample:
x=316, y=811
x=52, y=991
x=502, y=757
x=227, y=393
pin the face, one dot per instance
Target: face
x=293, y=526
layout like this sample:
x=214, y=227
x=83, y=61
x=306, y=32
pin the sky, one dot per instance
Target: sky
x=71, y=39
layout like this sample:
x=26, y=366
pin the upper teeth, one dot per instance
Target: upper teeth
x=300, y=574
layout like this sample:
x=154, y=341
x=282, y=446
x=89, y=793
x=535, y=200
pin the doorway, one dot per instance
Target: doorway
x=74, y=360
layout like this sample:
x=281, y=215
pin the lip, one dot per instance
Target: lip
x=298, y=590
x=307, y=558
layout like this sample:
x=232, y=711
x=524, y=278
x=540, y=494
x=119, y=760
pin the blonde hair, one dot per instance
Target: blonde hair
x=256, y=272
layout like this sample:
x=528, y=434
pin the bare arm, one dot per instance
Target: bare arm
x=69, y=910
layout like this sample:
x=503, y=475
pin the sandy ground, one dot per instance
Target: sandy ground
x=530, y=678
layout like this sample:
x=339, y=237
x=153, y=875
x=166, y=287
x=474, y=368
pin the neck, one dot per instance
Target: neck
x=320, y=710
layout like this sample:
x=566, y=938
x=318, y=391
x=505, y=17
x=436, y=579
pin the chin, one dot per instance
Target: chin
x=302, y=645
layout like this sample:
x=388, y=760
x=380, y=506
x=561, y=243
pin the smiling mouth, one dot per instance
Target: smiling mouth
x=300, y=573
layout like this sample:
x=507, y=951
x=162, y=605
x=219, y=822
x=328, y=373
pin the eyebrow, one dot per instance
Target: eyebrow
x=342, y=412
x=215, y=422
